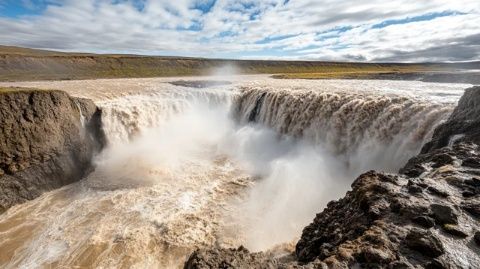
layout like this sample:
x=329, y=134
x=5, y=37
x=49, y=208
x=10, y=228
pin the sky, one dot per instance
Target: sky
x=332, y=30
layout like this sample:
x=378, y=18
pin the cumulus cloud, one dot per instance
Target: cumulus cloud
x=401, y=30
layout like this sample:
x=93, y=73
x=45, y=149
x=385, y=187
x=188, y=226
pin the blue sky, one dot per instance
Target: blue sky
x=400, y=30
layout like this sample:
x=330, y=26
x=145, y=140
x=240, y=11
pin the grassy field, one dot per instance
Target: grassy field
x=20, y=64
x=7, y=90
x=359, y=72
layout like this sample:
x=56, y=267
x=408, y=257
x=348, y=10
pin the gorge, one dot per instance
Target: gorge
x=153, y=169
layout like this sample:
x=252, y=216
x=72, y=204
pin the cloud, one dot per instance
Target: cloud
x=403, y=30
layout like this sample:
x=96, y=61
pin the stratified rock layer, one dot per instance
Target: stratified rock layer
x=47, y=140
x=425, y=217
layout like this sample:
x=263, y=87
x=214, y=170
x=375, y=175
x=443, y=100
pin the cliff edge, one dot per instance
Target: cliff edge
x=47, y=140
x=463, y=124
x=427, y=216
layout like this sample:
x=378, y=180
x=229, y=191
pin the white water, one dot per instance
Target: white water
x=184, y=168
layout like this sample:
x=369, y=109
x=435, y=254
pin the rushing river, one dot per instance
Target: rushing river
x=247, y=163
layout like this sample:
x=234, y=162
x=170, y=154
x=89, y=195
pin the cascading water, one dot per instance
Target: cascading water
x=389, y=129
x=248, y=164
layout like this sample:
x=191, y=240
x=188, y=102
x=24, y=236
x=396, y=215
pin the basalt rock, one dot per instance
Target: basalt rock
x=228, y=259
x=424, y=242
x=463, y=124
x=47, y=140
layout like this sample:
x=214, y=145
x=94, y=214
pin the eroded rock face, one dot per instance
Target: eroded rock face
x=419, y=228
x=425, y=217
x=47, y=140
x=463, y=124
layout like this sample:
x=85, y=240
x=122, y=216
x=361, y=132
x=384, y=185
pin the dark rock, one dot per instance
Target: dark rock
x=440, y=160
x=443, y=214
x=424, y=242
x=437, y=264
x=454, y=230
x=464, y=121
x=471, y=162
x=472, y=208
x=474, y=182
x=228, y=258
x=413, y=171
x=424, y=221
x=468, y=194
x=437, y=192
x=468, y=187
x=414, y=189
x=400, y=265
x=476, y=238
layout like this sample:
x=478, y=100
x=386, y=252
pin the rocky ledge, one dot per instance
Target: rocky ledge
x=427, y=216
x=47, y=140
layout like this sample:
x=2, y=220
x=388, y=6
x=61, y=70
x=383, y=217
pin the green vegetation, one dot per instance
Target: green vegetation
x=20, y=64
x=4, y=90
x=359, y=72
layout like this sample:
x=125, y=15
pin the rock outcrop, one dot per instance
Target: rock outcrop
x=47, y=140
x=425, y=217
x=463, y=124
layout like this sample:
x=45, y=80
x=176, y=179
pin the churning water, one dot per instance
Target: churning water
x=248, y=163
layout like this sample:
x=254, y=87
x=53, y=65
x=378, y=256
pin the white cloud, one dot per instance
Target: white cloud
x=231, y=28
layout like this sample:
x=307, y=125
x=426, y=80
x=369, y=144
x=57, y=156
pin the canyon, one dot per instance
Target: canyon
x=239, y=172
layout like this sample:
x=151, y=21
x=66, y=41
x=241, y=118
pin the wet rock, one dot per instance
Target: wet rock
x=476, y=238
x=473, y=182
x=443, y=214
x=440, y=160
x=413, y=171
x=424, y=242
x=468, y=194
x=472, y=208
x=424, y=221
x=454, y=230
x=414, y=189
x=228, y=258
x=376, y=256
x=437, y=192
x=471, y=162
x=437, y=264
x=400, y=265
x=468, y=187
x=464, y=121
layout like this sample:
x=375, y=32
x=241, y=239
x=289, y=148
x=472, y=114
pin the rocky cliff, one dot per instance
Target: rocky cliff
x=463, y=124
x=47, y=140
x=427, y=216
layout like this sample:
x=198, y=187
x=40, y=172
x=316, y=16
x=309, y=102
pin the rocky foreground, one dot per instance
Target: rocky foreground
x=47, y=140
x=427, y=216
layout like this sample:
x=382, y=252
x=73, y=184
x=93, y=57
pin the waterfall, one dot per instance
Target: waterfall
x=368, y=131
x=228, y=165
